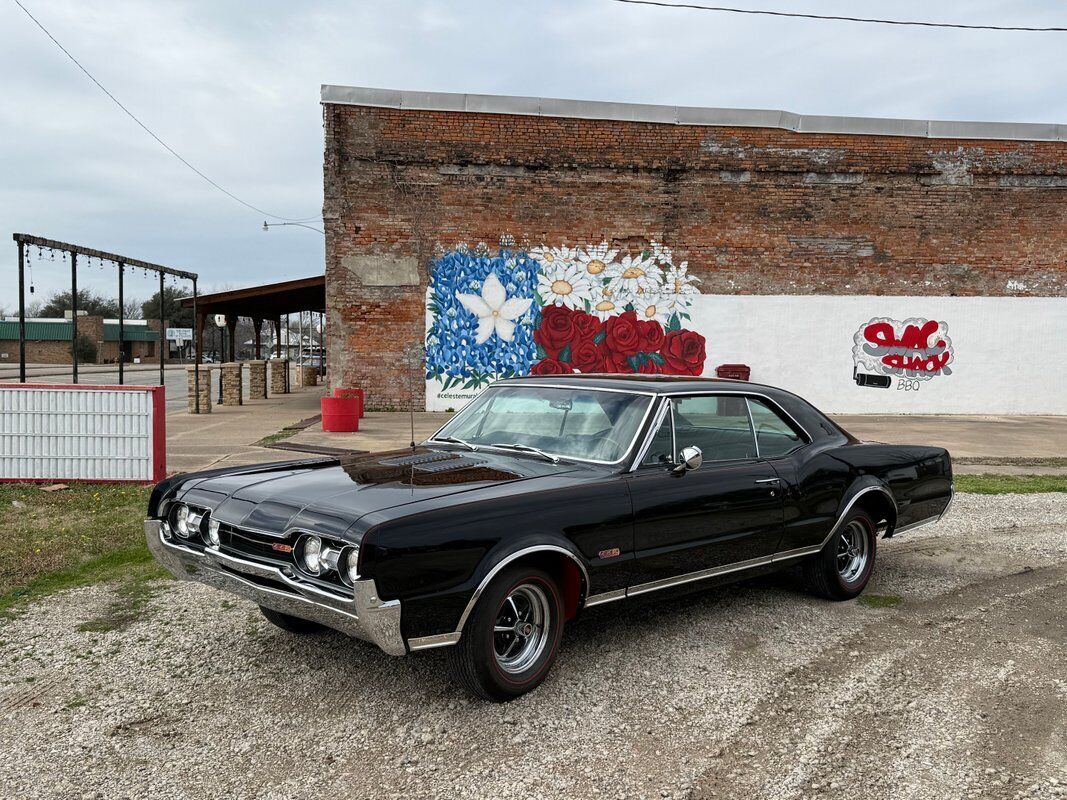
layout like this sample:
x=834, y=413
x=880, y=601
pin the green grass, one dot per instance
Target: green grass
x=1010, y=484
x=879, y=600
x=270, y=439
x=50, y=541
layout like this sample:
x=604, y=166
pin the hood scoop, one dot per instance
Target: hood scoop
x=434, y=462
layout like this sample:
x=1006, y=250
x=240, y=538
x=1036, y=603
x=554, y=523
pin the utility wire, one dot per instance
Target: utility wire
x=148, y=130
x=872, y=21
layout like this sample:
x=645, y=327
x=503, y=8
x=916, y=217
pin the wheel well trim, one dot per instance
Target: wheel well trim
x=508, y=559
x=852, y=503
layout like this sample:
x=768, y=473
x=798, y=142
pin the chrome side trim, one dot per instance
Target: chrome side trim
x=918, y=524
x=430, y=642
x=724, y=569
x=951, y=499
x=540, y=548
x=605, y=597
x=851, y=503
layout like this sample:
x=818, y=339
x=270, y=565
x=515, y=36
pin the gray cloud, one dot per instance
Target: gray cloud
x=234, y=88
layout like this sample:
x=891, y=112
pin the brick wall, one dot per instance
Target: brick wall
x=753, y=210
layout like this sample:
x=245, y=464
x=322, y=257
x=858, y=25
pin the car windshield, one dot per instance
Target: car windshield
x=580, y=423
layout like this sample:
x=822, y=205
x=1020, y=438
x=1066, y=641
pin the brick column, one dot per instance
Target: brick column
x=309, y=375
x=232, y=391
x=205, y=389
x=257, y=380
x=278, y=383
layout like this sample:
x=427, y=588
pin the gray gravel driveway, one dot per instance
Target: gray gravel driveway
x=751, y=690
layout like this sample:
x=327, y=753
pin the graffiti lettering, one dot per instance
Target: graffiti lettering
x=919, y=349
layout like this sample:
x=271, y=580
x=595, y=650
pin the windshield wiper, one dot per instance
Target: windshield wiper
x=525, y=448
x=455, y=440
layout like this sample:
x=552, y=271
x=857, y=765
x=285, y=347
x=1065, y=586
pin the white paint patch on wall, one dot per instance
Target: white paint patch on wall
x=1009, y=353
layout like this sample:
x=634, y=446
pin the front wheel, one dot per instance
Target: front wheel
x=511, y=639
x=841, y=570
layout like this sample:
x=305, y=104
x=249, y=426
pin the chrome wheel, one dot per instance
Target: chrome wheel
x=521, y=630
x=852, y=551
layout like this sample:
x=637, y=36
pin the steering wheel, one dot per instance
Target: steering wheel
x=606, y=444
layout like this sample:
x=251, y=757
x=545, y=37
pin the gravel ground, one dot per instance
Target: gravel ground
x=750, y=690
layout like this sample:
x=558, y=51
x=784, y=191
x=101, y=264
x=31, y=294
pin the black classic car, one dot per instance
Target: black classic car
x=543, y=497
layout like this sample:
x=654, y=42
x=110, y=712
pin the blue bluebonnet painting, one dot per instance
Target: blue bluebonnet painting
x=483, y=312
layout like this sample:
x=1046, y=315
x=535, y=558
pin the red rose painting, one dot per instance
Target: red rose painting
x=572, y=340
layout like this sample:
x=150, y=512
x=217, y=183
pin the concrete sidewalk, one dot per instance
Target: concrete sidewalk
x=227, y=435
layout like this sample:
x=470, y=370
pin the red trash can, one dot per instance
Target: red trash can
x=357, y=393
x=739, y=372
x=340, y=414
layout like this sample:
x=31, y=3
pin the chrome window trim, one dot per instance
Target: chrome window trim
x=628, y=449
x=752, y=424
x=716, y=393
x=650, y=434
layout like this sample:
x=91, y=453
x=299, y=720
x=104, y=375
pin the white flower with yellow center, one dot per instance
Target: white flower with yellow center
x=650, y=306
x=635, y=275
x=678, y=287
x=552, y=256
x=598, y=261
x=495, y=312
x=564, y=284
x=605, y=305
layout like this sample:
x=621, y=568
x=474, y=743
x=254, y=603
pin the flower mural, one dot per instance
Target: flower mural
x=558, y=310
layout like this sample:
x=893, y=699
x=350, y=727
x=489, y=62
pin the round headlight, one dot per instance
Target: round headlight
x=181, y=520
x=213, y=532
x=311, y=554
x=352, y=564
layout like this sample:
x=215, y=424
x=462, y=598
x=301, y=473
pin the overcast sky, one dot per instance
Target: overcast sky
x=234, y=87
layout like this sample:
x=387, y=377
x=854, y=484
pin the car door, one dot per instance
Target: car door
x=726, y=512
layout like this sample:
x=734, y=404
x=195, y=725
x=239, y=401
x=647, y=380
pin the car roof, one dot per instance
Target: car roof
x=650, y=384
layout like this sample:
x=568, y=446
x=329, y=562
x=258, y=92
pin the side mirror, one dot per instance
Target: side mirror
x=692, y=458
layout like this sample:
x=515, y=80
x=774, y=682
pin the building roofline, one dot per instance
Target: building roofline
x=689, y=115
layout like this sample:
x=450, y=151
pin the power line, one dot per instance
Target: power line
x=872, y=21
x=148, y=130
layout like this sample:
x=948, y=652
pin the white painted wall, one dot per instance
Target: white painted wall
x=1010, y=352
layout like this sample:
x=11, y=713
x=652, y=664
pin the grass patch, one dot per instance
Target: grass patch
x=879, y=600
x=274, y=438
x=1010, y=484
x=50, y=541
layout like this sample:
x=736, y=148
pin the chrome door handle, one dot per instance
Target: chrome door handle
x=769, y=480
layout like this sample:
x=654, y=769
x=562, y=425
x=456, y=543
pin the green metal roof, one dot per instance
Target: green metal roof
x=55, y=331
x=131, y=333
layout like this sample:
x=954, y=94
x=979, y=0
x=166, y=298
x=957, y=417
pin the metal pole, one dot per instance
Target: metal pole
x=74, y=315
x=22, y=313
x=162, y=332
x=196, y=358
x=322, y=352
x=122, y=329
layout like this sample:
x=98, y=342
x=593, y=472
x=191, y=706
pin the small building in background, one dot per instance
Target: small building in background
x=48, y=340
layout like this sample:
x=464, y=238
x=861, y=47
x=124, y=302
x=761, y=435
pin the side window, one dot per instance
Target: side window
x=719, y=426
x=774, y=435
x=660, y=451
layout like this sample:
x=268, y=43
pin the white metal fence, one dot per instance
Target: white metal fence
x=82, y=433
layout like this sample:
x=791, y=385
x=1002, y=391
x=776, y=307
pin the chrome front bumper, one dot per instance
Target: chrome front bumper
x=364, y=615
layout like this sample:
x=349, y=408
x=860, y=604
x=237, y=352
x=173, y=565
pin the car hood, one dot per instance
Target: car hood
x=329, y=497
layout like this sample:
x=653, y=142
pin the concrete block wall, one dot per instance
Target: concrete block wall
x=754, y=210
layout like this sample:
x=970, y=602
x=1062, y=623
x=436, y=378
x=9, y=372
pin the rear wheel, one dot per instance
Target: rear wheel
x=841, y=570
x=290, y=623
x=511, y=639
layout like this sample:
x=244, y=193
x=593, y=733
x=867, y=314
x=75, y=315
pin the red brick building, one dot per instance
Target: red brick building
x=756, y=202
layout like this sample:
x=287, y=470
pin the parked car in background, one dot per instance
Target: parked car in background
x=543, y=497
